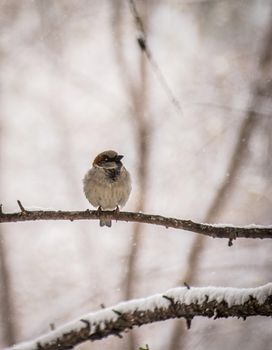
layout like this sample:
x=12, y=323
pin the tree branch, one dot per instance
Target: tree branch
x=144, y=46
x=179, y=302
x=215, y=231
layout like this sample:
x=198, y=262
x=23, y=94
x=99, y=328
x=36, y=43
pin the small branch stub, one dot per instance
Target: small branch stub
x=171, y=300
x=186, y=285
x=23, y=210
x=188, y=322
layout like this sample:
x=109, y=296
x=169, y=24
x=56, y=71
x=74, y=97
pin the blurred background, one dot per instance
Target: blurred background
x=194, y=122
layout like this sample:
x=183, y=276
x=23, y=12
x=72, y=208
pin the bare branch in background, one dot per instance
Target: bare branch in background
x=223, y=193
x=144, y=46
x=180, y=302
x=142, y=133
x=138, y=97
x=214, y=231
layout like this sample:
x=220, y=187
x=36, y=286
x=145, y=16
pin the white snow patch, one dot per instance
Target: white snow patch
x=238, y=226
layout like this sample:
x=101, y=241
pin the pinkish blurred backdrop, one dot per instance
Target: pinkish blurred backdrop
x=73, y=82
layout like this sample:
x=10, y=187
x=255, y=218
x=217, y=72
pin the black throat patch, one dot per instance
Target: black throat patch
x=113, y=174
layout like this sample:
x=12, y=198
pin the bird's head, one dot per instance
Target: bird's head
x=108, y=160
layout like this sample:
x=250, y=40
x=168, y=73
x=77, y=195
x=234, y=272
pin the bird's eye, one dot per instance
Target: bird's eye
x=106, y=159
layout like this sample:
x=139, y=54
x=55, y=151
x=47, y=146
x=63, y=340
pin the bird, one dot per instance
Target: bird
x=107, y=185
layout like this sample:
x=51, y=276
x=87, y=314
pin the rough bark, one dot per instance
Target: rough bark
x=215, y=231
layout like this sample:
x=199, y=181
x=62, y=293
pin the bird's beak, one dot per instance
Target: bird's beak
x=119, y=157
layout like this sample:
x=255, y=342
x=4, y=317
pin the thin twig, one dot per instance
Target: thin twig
x=23, y=210
x=144, y=46
x=186, y=285
x=215, y=231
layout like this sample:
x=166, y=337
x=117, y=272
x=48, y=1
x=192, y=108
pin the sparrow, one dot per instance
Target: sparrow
x=107, y=184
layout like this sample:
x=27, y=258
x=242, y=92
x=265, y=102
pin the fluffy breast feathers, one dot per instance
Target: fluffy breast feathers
x=105, y=190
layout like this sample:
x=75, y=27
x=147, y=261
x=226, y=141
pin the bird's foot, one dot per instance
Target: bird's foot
x=99, y=209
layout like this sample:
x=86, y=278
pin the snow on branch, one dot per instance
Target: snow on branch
x=217, y=230
x=186, y=302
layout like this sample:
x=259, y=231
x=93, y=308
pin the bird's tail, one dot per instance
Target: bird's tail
x=105, y=222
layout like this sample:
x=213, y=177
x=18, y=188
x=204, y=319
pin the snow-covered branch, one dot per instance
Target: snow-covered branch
x=186, y=302
x=218, y=230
